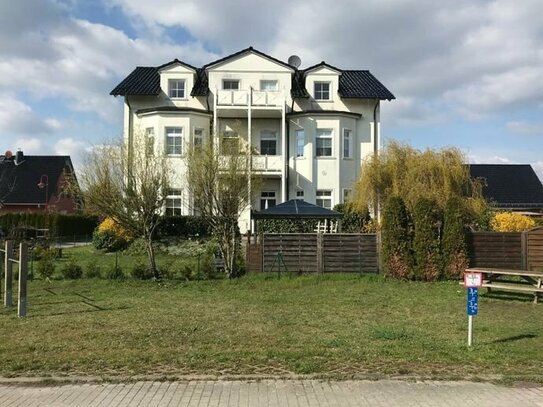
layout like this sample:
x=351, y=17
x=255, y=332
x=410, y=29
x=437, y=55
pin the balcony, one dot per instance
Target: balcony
x=257, y=98
x=268, y=163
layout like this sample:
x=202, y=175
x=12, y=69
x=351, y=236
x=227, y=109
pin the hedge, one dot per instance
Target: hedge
x=185, y=226
x=58, y=224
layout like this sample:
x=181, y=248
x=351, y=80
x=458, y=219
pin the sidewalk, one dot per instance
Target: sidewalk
x=267, y=393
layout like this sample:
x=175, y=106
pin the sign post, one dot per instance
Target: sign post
x=472, y=281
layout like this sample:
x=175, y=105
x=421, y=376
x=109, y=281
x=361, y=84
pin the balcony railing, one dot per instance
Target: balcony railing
x=267, y=163
x=242, y=97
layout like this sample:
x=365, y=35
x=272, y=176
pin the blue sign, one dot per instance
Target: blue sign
x=473, y=301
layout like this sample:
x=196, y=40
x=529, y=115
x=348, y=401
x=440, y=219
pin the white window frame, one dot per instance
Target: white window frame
x=269, y=81
x=319, y=94
x=323, y=195
x=300, y=194
x=266, y=196
x=171, y=133
x=224, y=81
x=347, y=135
x=230, y=135
x=150, y=141
x=324, y=134
x=198, y=134
x=268, y=135
x=300, y=136
x=174, y=202
x=347, y=194
x=177, y=92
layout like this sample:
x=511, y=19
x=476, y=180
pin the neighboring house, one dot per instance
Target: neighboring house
x=512, y=187
x=311, y=128
x=36, y=183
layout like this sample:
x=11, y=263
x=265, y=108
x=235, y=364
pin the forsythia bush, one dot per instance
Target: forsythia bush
x=511, y=222
x=110, y=236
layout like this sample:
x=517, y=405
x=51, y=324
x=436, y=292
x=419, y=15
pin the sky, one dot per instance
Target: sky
x=465, y=73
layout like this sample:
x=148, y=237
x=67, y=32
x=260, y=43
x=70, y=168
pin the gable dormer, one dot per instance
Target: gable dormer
x=322, y=82
x=177, y=79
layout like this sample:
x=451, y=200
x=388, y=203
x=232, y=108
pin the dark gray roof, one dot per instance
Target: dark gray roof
x=510, y=185
x=352, y=84
x=19, y=183
x=298, y=209
x=172, y=109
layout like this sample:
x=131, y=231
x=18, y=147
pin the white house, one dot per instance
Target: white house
x=311, y=127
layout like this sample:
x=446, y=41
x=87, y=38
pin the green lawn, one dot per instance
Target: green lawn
x=333, y=325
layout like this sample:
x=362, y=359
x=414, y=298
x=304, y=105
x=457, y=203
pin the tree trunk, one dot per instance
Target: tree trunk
x=151, y=258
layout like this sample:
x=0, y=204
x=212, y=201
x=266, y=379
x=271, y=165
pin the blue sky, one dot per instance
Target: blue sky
x=466, y=73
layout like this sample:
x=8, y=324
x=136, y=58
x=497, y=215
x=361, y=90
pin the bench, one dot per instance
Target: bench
x=500, y=279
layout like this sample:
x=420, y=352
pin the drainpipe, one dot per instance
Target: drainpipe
x=375, y=155
x=130, y=143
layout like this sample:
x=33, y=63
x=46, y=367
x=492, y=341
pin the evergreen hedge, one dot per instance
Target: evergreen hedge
x=183, y=226
x=396, y=241
x=426, y=240
x=453, y=242
x=58, y=224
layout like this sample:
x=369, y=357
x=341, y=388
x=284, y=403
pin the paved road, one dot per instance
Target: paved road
x=273, y=393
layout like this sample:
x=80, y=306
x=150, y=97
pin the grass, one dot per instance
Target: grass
x=333, y=325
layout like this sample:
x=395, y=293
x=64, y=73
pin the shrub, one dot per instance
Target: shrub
x=426, y=248
x=115, y=273
x=354, y=220
x=93, y=270
x=511, y=222
x=110, y=236
x=185, y=226
x=46, y=266
x=395, y=235
x=453, y=242
x=140, y=271
x=72, y=271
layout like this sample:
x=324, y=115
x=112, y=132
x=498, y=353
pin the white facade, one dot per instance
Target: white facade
x=309, y=147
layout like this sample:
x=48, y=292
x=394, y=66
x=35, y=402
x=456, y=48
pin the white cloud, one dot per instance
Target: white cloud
x=525, y=128
x=538, y=168
x=18, y=119
x=495, y=159
x=74, y=148
x=30, y=146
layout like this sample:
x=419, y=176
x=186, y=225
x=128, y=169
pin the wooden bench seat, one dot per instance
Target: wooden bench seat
x=513, y=287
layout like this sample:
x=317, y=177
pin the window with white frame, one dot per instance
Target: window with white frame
x=198, y=137
x=347, y=192
x=176, y=88
x=268, y=142
x=150, y=141
x=229, y=142
x=347, y=144
x=322, y=90
x=300, y=195
x=230, y=84
x=323, y=143
x=267, y=199
x=174, y=140
x=300, y=143
x=324, y=199
x=174, y=202
x=268, y=85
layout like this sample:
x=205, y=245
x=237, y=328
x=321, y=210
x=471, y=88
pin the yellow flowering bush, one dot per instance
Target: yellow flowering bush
x=111, y=236
x=511, y=222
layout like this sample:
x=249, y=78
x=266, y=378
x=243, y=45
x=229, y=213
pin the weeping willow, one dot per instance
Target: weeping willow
x=401, y=170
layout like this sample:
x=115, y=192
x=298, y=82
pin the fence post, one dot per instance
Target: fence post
x=8, y=267
x=524, y=250
x=379, y=248
x=23, y=273
x=320, y=253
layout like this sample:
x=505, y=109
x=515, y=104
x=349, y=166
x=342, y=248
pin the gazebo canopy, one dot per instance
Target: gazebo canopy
x=296, y=209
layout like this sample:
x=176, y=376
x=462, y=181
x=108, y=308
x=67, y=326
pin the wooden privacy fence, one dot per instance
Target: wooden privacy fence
x=320, y=252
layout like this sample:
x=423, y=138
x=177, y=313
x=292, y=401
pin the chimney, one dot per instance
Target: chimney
x=19, y=157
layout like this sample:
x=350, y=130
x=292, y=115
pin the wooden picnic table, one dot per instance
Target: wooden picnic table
x=511, y=280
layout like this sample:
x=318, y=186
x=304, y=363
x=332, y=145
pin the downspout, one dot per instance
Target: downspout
x=130, y=144
x=375, y=155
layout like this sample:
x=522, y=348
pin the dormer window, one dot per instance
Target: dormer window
x=230, y=84
x=322, y=91
x=176, y=88
x=268, y=85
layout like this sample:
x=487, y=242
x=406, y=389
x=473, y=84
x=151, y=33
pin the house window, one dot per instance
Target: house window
x=322, y=90
x=324, y=143
x=229, y=142
x=150, y=141
x=324, y=199
x=174, y=140
x=176, y=88
x=347, y=144
x=347, y=194
x=267, y=199
x=174, y=202
x=230, y=84
x=300, y=142
x=198, y=137
x=268, y=86
x=268, y=143
x=300, y=195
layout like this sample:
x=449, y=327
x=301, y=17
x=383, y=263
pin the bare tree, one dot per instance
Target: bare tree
x=220, y=186
x=128, y=185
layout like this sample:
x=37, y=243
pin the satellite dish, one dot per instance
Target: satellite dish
x=8, y=154
x=295, y=61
